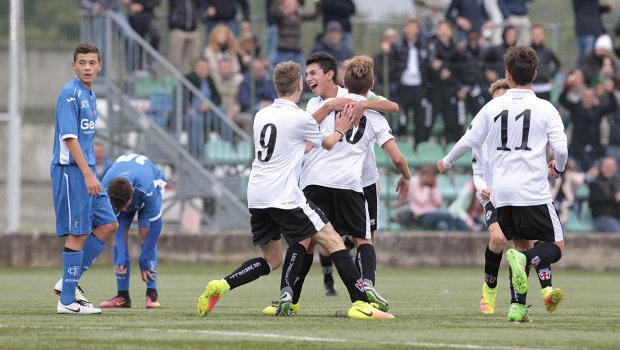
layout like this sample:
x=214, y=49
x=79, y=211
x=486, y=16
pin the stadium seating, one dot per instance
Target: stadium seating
x=381, y=156
x=428, y=153
x=580, y=223
x=219, y=152
x=464, y=161
x=245, y=153
x=448, y=191
x=161, y=109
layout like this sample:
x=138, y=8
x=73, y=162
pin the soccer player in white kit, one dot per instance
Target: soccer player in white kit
x=517, y=128
x=497, y=242
x=278, y=206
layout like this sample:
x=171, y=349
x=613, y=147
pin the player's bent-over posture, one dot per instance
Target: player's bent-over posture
x=517, y=128
x=134, y=184
x=497, y=242
x=278, y=206
x=83, y=211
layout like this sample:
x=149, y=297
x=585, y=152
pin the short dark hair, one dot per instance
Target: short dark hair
x=326, y=61
x=120, y=192
x=359, y=74
x=85, y=48
x=521, y=63
x=286, y=76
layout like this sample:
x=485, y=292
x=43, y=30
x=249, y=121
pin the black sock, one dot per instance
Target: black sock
x=544, y=253
x=69, y=250
x=491, y=267
x=248, y=272
x=348, y=243
x=515, y=297
x=349, y=275
x=151, y=293
x=301, y=277
x=367, y=263
x=124, y=294
x=544, y=275
x=326, y=265
x=292, y=264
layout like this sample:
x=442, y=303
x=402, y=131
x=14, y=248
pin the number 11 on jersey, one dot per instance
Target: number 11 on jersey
x=526, y=114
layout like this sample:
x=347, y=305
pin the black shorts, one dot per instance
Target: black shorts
x=537, y=222
x=490, y=213
x=294, y=224
x=372, y=200
x=345, y=209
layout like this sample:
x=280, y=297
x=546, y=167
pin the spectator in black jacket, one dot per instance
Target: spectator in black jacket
x=473, y=88
x=408, y=67
x=339, y=11
x=333, y=43
x=142, y=19
x=548, y=64
x=382, y=66
x=605, y=197
x=585, y=147
x=494, y=57
x=468, y=15
x=613, y=148
x=184, y=37
x=599, y=62
x=443, y=58
x=588, y=23
x=224, y=12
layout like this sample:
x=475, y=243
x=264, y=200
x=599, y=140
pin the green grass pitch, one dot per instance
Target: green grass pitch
x=434, y=309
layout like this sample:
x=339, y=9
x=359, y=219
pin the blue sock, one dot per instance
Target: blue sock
x=153, y=265
x=71, y=266
x=122, y=281
x=92, y=248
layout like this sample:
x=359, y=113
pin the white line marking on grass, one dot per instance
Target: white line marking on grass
x=286, y=337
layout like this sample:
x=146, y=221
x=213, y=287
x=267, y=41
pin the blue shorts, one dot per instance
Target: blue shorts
x=77, y=212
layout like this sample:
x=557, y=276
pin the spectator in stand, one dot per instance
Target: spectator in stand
x=199, y=112
x=264, y=92
x=515, y=14
x=425, y=199
x=599, y=63
x=443, y=57
x=272, y=32
x=248, y=48
x=494, y=68
x=588, y=23
x=288, y=17
x=142, y=19
x=227, y=84
x=184, y=37
x=585, y=147
x=429, y=13
x=339, y=11
x=605, y=197
x=409, y=67
x=548, y=65
x=468, y=15
x=332, y=43
x=224, y=12
x=613, y=148
x=563, y=189
x=493, y=34
x=222, y=44
x=382, y=66
x=473, y=88
x=102, y=162
x=467, y=210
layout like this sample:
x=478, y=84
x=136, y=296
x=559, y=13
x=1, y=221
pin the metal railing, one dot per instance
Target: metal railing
x=148, y=113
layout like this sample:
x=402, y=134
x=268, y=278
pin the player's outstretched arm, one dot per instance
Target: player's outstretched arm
x=399, y=161
x=92, y=184
x=343, y=124
x=381, y=105
x=149, y=245
x=335, y=104
x=459, y=150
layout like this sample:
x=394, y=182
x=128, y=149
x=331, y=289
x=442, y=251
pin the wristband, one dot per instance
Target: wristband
x=341, y=133
x=557, y=171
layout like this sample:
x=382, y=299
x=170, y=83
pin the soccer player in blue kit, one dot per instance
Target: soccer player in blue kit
x=134, y=184
x=83, y=211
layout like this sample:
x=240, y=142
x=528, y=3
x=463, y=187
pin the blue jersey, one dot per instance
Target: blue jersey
x=76, y=115
x=146, y=179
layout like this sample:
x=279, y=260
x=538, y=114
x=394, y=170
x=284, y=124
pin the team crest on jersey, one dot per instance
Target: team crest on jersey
x=488, y=215
x=544, y=274
x=83, y=104
x=76, y=223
